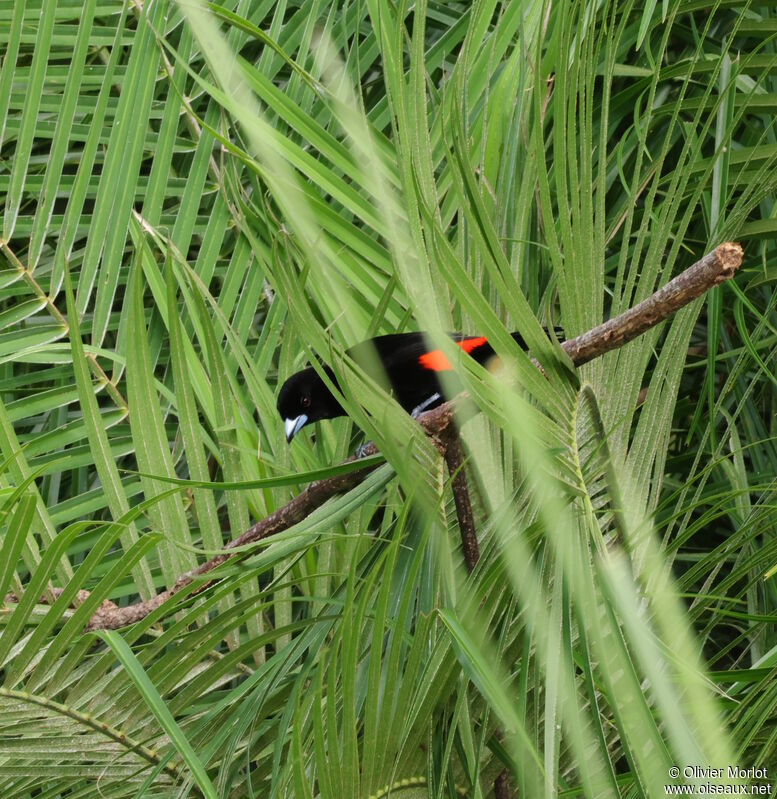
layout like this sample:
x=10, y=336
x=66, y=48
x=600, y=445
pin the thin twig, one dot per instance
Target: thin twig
x=454, y=457
x=501, y=786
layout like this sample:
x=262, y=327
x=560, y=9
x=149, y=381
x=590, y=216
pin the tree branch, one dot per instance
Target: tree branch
x=714, y=268
x=454, y=457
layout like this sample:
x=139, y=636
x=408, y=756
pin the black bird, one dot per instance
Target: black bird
x=410, y=365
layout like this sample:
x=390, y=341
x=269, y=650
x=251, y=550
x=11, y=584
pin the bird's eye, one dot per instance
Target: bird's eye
x=304, y=401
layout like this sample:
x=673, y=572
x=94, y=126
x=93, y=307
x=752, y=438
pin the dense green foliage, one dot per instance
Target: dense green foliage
x=196, y=201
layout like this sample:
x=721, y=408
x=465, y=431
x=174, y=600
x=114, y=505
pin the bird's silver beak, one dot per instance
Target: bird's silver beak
x=293, y=426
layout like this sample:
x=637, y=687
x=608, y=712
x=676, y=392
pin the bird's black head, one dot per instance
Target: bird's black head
x=304, y=398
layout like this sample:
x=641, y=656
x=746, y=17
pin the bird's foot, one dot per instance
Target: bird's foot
x=362, y=450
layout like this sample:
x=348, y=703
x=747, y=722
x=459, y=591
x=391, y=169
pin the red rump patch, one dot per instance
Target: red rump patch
x=437, y=362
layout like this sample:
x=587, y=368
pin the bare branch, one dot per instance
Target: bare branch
x=454, y=457
x=501, y=786
x=712, y=269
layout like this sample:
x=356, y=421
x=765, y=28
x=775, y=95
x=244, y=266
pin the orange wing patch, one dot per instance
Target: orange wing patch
x=437, y=362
